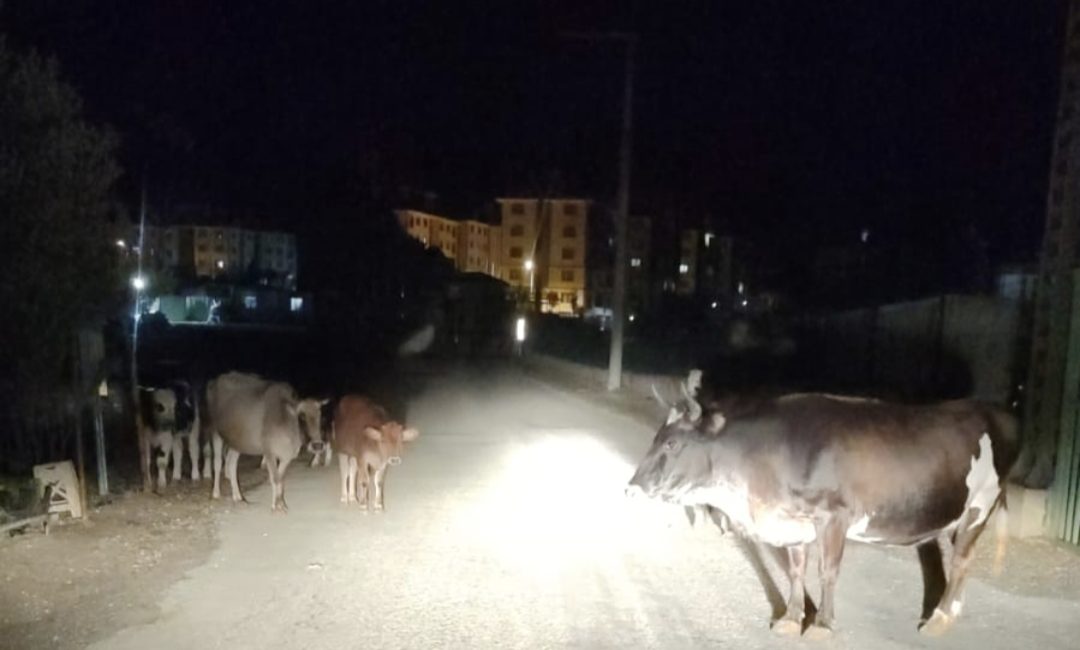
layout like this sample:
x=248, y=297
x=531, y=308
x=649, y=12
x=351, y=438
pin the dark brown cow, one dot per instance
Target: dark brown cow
x=366, y=441
x=800, y=469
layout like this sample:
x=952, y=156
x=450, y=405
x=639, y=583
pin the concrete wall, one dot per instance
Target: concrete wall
x=949, y=346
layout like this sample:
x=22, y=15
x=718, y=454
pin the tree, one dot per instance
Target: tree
x=58, y=263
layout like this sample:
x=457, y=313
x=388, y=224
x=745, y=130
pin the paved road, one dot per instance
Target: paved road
x=506, y=528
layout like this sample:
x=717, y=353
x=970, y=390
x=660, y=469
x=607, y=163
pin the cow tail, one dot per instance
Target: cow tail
x=1001, y=532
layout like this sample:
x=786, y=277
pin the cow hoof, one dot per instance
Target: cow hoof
x=938, y=624
x=787, y=627
x=818, y=633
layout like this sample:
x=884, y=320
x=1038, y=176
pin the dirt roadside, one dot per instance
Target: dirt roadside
x=83, y=581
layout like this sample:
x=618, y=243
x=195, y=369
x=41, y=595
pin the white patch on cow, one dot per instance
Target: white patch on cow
x=769, y=525
x=673, y=416
x=857, y=531
x=982, y=482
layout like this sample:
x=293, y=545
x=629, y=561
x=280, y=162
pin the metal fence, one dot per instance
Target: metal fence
x=1063, y=503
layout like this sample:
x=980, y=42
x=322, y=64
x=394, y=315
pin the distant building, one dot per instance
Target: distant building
x=468, y=244
x=543, y=250
x=640, y=293
x=710, y=266
x=212, y=252
x=537, y=248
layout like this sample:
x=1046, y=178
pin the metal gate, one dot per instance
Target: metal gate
x=1064, y=499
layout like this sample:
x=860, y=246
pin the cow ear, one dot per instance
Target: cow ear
x=373, y=433
x=673, y=415
x=410, y=434
x=715, y=423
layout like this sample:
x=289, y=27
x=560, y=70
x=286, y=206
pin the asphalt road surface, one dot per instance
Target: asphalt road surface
x=506, y=528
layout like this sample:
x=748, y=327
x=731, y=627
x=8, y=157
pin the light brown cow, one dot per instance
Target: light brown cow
x=367, y=441
x=259, y=417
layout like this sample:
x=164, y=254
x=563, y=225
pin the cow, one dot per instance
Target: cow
x=367, y=441
x=171, y=418
x=793, y=470
x=256, y=416
x=309, y=412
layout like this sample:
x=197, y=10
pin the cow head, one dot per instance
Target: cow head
x=679, y=459
x=164, y=403
x=392, y=437
x=309, y=412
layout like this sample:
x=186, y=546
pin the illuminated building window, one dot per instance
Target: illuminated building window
x=684, y=268
x=635, y=262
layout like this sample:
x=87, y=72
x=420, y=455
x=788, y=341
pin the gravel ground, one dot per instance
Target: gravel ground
x=506, y=528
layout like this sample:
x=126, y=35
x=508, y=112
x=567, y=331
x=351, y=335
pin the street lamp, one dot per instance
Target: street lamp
x=138, y=282
x=529, y=268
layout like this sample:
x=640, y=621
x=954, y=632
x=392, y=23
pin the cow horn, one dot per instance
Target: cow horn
x=656, y=394
x=695, y=408
x=693, y=381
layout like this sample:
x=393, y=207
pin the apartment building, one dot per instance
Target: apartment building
x=537, y=247
x=211, y=252
x=543, y=250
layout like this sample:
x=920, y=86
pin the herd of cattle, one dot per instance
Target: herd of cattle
x=238, y=414
x=784, y=471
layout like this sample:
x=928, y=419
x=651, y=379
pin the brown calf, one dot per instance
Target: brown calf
x=366, y=441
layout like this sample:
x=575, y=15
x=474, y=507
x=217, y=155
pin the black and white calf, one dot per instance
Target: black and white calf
x=172, y=414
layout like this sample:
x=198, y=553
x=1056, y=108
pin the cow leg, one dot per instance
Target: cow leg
x=363, y=486
x=177, y=457
x=282, y=465
x=346, y=474
x=166, y=446
x=218, y=443
x=208, y=456
x=193, y=453
x=831, y=536
x=791, y=623
x=231, y=458
x=963, y=550
x=933, y=572
x=377, y=481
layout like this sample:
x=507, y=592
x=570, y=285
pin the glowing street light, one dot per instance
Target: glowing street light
x=138, y=282
x=528, y=265
x=120, y=243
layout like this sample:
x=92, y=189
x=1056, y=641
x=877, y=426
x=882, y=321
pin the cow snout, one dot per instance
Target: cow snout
x=394, y=460
x=635, y=491
x=316, y=447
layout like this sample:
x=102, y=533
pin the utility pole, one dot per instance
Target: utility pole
x=138, y=284
x=622, y=202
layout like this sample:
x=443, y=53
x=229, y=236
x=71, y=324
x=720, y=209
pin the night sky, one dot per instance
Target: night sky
x=800, y=122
